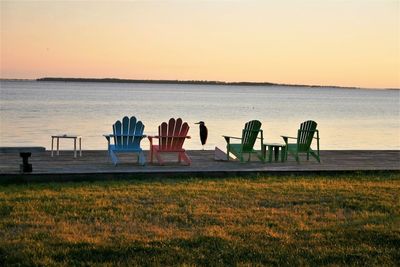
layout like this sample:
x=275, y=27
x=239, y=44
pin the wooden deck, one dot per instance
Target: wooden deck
x=97, y=163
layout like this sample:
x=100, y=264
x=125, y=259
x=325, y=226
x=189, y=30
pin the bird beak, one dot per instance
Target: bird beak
x=197, y=123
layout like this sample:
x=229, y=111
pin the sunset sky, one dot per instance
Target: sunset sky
x=344, y=43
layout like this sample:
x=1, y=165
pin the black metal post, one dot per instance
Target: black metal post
x=25, y=166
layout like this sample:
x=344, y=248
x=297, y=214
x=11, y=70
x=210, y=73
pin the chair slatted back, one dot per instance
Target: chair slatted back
x=172, y=134
x=249, y=135
x=305, y=135
x=127, y=134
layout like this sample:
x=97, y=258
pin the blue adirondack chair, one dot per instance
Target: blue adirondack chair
x=127, y=136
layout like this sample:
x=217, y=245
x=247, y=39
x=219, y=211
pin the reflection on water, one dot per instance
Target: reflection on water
x=347, y=118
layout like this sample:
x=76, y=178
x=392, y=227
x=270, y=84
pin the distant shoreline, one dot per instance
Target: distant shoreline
x=190, y=82
x=196, y=82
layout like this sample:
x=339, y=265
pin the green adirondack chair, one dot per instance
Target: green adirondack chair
x=305, y=136
x=247, y=141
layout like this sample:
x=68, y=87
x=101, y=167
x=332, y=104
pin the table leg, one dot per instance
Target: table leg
x=264, y=152
x=276, y=153
x=52, y=141
x=283, y=154
x=74, y=147
x=270, y=153
x=58, y=146
x=80, y=146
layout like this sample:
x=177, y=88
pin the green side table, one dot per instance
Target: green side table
x=274, y=148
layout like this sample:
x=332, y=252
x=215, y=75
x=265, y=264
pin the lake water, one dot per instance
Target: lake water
x=347, y=118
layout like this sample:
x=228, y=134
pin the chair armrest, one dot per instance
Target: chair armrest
x=109, y=136
x=233, y=137
x=288, y=137
x=285, y=138
x=151, y=137
x=164, y=136
x=317, y=141
x=317, y=135
x=228, y=138
x=141, y=136
x=150, y=140
x=123, y=135
x=262, y=136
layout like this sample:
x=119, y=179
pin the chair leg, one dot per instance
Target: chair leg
x=315, y=156
x=151, y=155
x=185, y=158
x=292, y=153
x=261, y=157
x=141, y=158
x=159, y=159
x=297, y=157
x=113, y=157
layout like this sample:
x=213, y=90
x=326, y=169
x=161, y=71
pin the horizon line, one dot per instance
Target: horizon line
x=198, y=82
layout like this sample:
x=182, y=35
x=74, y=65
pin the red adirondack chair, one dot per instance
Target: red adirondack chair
x=170, y=137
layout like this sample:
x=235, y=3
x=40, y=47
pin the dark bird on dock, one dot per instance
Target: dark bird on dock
x=203, y=133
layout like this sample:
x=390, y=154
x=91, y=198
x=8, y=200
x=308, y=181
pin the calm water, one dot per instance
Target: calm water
x=347, y=119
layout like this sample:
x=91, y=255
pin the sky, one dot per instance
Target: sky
x=330, y=42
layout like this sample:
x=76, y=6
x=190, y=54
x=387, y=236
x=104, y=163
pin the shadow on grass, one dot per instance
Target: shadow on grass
x=46, y=179
x=199, y=251
x=203, y=251
x=206, y=251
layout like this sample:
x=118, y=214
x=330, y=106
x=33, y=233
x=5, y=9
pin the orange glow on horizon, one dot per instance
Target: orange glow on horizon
x=352, y=43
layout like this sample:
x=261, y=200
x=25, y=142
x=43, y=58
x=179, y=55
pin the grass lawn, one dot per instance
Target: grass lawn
x=275, y=220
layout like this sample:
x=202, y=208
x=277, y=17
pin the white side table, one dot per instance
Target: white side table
x=75, y=137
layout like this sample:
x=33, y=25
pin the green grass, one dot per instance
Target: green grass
x=290, y=220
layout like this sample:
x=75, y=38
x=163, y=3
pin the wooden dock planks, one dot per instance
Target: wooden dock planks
x=98, y=162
